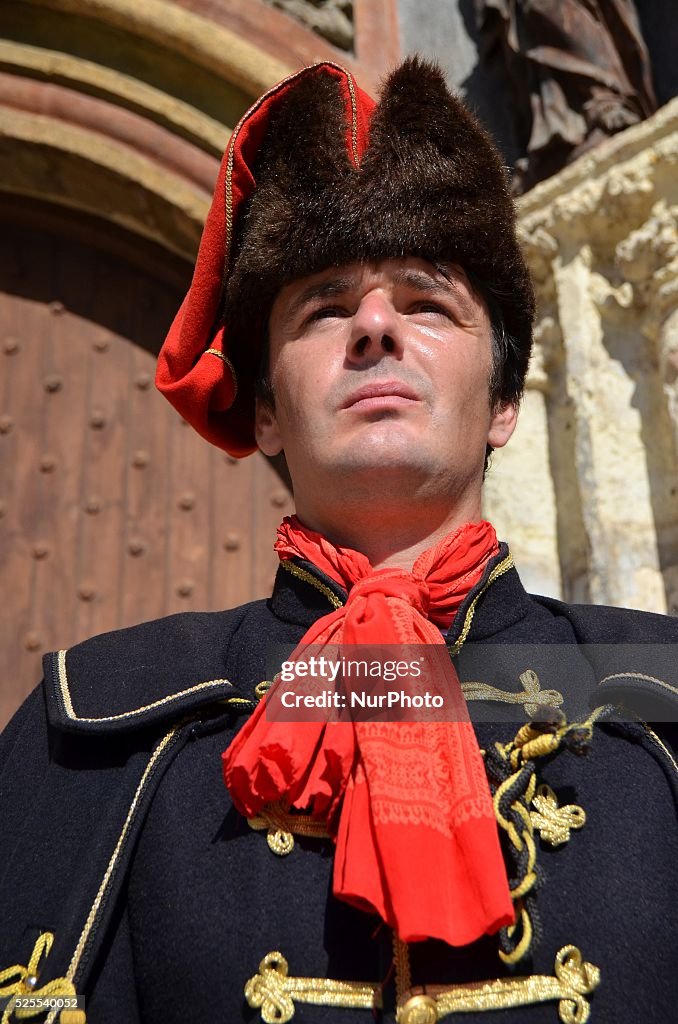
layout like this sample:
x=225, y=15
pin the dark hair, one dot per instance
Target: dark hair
x=509, y=358
x=263, y=389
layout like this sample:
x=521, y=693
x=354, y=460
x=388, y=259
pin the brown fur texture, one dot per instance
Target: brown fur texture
x=431, y=184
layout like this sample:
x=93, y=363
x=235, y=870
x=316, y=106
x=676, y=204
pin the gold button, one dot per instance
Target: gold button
x=418, y=1010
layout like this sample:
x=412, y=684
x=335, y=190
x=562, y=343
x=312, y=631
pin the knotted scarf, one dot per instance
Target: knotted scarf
x=407, y=803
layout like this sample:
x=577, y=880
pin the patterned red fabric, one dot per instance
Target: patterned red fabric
x=408, y=803
x=194, y=372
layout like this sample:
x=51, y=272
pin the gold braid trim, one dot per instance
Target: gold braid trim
x=403, y=972
x=661, y=746
x=554, y=823
x=224, y=358
x=530, y=743
x=498, y=571
x=274, y=993
x=531, y=697
x=23, y=981
x=354, y=119
x=70, y=711
x=307, y=577
x=283, y=826
x=574, y=979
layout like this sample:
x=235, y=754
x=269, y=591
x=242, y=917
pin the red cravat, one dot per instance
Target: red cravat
x=408, y=803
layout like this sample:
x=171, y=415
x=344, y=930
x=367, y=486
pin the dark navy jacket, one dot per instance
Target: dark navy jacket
x=118, y=836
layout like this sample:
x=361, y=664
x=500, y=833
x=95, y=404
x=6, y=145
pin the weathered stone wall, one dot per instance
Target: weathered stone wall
x=587, y=492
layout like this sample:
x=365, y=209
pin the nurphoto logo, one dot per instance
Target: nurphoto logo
x=360, y=682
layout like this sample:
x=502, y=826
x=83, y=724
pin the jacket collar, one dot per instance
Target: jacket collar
x=302, y=594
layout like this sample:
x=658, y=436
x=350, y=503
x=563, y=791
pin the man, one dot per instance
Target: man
x=375, y=299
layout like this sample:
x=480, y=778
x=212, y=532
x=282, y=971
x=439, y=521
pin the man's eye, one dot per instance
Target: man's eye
x=326, y=313
x=431, y=307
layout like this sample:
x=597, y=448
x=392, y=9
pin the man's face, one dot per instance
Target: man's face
x=381, y=371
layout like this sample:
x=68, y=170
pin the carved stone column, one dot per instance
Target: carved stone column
x=599, y=441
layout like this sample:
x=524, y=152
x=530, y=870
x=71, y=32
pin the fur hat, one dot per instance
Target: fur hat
x=316, y=176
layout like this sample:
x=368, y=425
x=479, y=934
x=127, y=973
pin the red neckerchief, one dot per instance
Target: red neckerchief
x=408, y=803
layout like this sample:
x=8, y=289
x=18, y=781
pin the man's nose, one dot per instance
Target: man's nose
x=376, y=329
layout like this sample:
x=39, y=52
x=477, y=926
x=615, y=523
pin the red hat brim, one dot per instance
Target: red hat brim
x=195, y=372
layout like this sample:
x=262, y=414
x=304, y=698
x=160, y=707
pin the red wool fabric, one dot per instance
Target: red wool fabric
x=407, y=803
x=195, y=372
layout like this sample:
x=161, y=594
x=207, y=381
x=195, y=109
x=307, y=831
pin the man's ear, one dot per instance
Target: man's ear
x=266, y=428
x=502, y=424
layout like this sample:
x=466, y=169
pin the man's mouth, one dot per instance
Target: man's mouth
x=380, y=394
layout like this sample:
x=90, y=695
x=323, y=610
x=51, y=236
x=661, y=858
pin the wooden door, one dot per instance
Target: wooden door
x=112, y=510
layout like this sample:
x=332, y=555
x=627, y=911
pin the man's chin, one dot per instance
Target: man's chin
x=384, y=461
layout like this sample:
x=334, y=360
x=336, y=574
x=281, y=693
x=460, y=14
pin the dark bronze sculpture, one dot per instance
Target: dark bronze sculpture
x=579, y=71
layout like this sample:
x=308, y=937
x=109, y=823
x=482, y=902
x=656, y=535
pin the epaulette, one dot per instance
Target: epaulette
x=79, y=780
x=145, y=675
x=634, y=655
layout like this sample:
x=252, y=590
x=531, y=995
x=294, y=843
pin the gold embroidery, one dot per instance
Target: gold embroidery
x=641, y=675
x=554, y=823
x=515, y=818
x=283, y=826
x=225, y=359
x=354, y=119
x=403, y=973
x=279, y=841
x=498, y=571
x=164, y=745
x=532, y=696
x=307, y=577
x=240, y=702
x=523, y=840
x=63, y=683
x=532, y=742
x=262, y=688
x=662, y=746
x=273, y=992
x=574, y=980
x=228, y=189
x=66, y=696
x=23, y=981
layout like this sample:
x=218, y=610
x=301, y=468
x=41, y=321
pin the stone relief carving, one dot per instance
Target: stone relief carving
x=578, y=70
x=331, y=19
x=597, y=459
